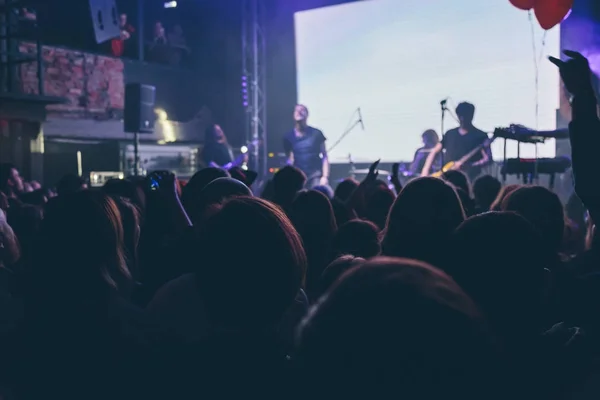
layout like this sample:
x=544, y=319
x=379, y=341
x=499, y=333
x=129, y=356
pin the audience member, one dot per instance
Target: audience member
x=70, y=184
x=485, y=191
x=358, y=238
x=422, y=220
x=398, y=327
x=313, y=218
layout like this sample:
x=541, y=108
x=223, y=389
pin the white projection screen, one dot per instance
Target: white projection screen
x=397, y=59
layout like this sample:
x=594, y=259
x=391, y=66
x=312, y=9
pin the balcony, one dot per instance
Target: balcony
x=93, y=86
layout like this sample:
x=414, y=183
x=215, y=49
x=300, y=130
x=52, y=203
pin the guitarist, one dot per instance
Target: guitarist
x=458, y=142
x=217, y=151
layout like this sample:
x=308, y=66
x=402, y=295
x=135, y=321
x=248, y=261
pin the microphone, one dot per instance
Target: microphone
x=362, y=124
x=444, y=102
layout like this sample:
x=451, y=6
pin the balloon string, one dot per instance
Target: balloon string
x=536, y=69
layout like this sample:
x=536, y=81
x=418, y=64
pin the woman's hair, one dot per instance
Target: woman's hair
x=131, y=221
x=504, y=191
x=430, y=137
x=507, y=284
x=312, y=215
x=421, y=220
x=543, y=209
x=357, y=237
x=397, y=328
x=336, y=270
x=249, y=276
x=81, y=244
x=210, y=133
x=127, y=189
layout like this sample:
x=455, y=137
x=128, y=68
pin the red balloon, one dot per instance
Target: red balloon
x=523, y=4
x=550, y=13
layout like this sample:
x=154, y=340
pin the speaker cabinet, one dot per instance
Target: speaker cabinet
x=139, y=108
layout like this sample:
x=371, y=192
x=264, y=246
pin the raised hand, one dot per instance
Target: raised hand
x=395, y=170
x=373, y=172
x=575, y=73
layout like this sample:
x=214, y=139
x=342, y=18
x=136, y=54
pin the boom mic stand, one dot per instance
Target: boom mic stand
x=443, y=132
x=341, y=139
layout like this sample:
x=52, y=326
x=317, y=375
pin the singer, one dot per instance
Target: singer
x=460, y=141
x=305, y=149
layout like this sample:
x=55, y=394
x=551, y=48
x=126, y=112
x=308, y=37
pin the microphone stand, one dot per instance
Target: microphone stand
x=443, y=132
x=341, y=139
x=352, y=171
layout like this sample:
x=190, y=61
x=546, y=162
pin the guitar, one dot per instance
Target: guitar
x=452, y=164
x=239, y=160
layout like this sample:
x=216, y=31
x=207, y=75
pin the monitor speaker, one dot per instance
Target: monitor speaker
x=139, y=108
x=105, y=18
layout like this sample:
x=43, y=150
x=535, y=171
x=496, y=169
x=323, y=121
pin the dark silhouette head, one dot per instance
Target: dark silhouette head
x=216, y=192
x=192, y=189
x=459, y=179
x=81, y=245
x=70, y=184
x=342, y=212
x=397, y=328
x=336, y=270
x=465, y=113
x=378, y=204
x=312, y=215
x=287, y=182
x=499, y=259
x=357, y=237
x=344, y=190
x=543, y=209
x=423, y=217
x=485, y=191
x=249, y=277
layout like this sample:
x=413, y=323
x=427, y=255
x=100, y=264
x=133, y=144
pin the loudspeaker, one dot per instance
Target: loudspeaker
x=105, y=18
x=139, y=108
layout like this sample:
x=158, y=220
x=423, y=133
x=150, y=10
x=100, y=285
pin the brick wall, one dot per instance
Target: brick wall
x=93, y=85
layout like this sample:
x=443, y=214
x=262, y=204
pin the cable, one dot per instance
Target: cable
x=536, y=69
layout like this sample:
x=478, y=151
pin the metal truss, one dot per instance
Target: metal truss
x=254, y=82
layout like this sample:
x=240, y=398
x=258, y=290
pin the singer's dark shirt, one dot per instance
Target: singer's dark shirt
x=307, y=150
x=458, y=146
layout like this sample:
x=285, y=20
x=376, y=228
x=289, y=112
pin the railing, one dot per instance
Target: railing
x=16, y=25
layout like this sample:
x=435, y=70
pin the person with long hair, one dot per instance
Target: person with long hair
x=74, y=310
x=217, y=151
x=430, y=140
x=421, y=221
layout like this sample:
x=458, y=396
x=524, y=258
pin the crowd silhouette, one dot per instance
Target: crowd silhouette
x=443, y=288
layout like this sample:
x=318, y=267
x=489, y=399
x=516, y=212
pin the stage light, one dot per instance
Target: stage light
x=244, y=149
x=245, y=101
x=170, y=4
x=161, y=114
